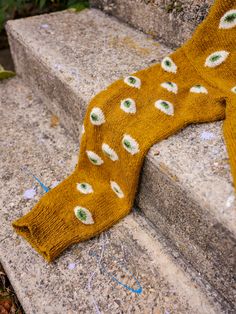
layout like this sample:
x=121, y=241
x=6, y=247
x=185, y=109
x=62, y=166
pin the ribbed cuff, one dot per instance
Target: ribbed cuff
x=45, y=230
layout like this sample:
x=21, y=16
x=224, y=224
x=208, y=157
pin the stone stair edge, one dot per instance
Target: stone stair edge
x=85, y=98
x=37, y=282
x=175, y=184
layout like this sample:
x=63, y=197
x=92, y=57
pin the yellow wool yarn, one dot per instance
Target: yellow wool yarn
x=195, y=84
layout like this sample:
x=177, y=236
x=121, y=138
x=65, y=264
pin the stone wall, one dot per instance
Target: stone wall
x=170, y=22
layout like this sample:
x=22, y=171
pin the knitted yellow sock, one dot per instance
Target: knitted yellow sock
x=194, y=84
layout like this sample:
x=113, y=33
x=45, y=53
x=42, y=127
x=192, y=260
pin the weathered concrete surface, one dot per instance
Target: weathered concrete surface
x=68, y=58
x=30, y=136
x=171, y=22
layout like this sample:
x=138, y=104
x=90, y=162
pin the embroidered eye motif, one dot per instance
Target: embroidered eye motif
x=94, y=158
x=199, y=89
x=228, y=20
x=170, y=86
x=130, y=144
x=84, y=188
x=116, y=188
x=233, y=89
x=128, y=105
x=97, y=116
x=165, y=106
x=107, y=150
x=132, y=81
x=216, y=58
x=168, y=65
x=84, y=215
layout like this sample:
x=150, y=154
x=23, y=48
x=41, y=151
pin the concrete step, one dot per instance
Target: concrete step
x=186, y=188
x=76, y=282
x=171, y=22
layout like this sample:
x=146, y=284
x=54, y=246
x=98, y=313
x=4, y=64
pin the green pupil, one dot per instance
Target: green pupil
x=215, y=58
x=165, y=105
x=81, y=214
x=127, y=144
x=93, y=160
x=116, y=190
x=83, y=185
x=127, y=103
x=132, y=80
x=94, y=117
x=168, y=63
x=230, y=18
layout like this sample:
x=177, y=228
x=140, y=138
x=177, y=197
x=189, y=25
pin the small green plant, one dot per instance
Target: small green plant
x=11, y=9
x=4, y=74
x=77, y=5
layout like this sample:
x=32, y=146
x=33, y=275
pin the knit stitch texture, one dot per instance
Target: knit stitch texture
x=195, y=84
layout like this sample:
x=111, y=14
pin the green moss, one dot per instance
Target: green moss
x=174, y=6
x=178, y=7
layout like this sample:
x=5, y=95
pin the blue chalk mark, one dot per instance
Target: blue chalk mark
x=44, y=187
x=138, y=291
x=102, y=268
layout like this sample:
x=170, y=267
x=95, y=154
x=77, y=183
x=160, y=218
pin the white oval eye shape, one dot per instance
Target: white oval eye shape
x=130, y=144
x=165, y=106
x=233, y=89
x=228, y=20
x=133, y=81
x=198, y=89
x=97, y=116
x=128, y=105
x=84, y=215
x=216, y=58
x=94, y=158
x=107, y=150
x=170, y=86
x=116, y=188
x=168, y=65
x=84, y=188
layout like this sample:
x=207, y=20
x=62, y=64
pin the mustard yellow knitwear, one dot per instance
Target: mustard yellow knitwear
x=195, y=84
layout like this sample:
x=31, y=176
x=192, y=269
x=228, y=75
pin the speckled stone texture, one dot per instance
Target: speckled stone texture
x=186, y=188
x=171, y=22
x=75, y=283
